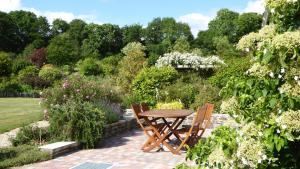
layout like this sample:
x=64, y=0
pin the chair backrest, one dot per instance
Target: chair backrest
x=208, y=113
x=136, y=110
x=145, y=107
x=200, y=115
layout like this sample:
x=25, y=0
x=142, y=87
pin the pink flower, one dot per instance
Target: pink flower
x=66, y=84
x=77, y=90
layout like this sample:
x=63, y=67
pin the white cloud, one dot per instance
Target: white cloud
x=11, y=5
x=196, y=21
x=255, y=6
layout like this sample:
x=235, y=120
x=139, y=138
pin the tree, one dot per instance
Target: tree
x=225, y=24
x=30, y=27
x=181, y=45
x=5, y=64
x=101, y=40
x=224, y=48
x=9, y=39
x=59, y=26
x=38, y=57
x=62, y=50
x=132, y=33
x=76, y=30
x=248, y=22
x=133, y=61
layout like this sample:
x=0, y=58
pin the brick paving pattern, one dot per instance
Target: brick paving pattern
x=122, y=151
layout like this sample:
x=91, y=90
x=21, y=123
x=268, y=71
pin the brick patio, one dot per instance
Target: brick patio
x=123, y=152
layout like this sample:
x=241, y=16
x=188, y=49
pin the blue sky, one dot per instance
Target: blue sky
x=197, y=13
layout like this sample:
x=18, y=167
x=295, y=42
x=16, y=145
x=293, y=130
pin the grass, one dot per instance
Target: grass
x=17, y=112
x=21, y=155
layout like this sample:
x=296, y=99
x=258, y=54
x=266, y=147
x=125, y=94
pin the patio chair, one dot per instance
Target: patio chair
x=200, y=123
x=150, y=130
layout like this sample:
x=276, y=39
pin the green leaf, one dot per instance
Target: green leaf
x=272, y=102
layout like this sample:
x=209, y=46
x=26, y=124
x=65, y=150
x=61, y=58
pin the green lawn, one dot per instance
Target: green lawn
x=16, y=112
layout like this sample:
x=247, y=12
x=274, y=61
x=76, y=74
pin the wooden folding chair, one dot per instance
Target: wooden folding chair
x=152, y=131
x=195, y=131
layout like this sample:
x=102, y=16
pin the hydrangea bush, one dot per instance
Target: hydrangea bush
x=189, y=60
x=265, y=102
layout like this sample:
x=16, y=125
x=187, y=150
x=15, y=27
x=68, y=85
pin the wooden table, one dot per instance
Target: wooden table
x=171, y=126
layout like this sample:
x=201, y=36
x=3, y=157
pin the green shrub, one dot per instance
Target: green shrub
x=21, y=155
x=150, y=81
x=31, y=136
x=20, y=64
x=185, y=92
x=80, y=121
x=206, y=94
x=236, y=67
x=29, y=76
x=50, y=73
x=5, y=64
x=222, y=137
x=89, y=66
x=109, y=64
x=170, y=105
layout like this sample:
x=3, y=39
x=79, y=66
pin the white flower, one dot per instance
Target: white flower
x=271, y=74
x=265, y=51
x=272, y=10
x=259, y=153
x=247, y=50
x=296, y=78
x=282, y=70
x=279, y=76
x=278, y=131
x=260, y=134
x=259, y=161
x=41, y=93
x=284, y=126
x=264, y=157
x=238, y=154
x=244, y=161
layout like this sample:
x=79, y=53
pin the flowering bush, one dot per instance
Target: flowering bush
x=189, y=60
x=265, y=102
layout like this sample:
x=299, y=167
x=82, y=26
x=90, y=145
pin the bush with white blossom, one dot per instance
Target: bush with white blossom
x=189, y=60
x=265, y=103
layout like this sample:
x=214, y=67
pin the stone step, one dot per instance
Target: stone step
x=59, y=148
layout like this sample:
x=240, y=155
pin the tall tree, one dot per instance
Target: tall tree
x=102, y=40
x=10, y=41
x=76, y=30
x=248, y=22
x=59, y=26
x=132, y=33
x=30, y=27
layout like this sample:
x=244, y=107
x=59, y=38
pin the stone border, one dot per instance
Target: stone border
x=119, y=127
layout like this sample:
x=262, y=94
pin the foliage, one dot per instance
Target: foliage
x=133, y=61
x=216, y=149
x=78, y=88
x=29, y=76
x=59, y=26
x=265, y=102
x=206, y=93
x=183, y=91
x=224, y=48
x=76, y=30
x=248, y=22
x=110, y=64
x=10, y=41
x=189, y=60
x=62, y=50
x=38, y=57
x=21, y=155
x=80, y=121
x=170, y=105
x=5, y=64
x=19, y=64
x=50, y=73
x=101, y=40
x=89, y=66
x=149, y=81
x=181, y=45
x=30, y=27
x=235, y=68
x=132, y=33
x=31, y=135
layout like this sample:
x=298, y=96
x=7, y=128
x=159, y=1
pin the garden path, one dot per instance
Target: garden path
x=122, y=151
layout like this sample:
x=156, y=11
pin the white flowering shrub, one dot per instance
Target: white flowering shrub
x=189, y=60
x=265, y=102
